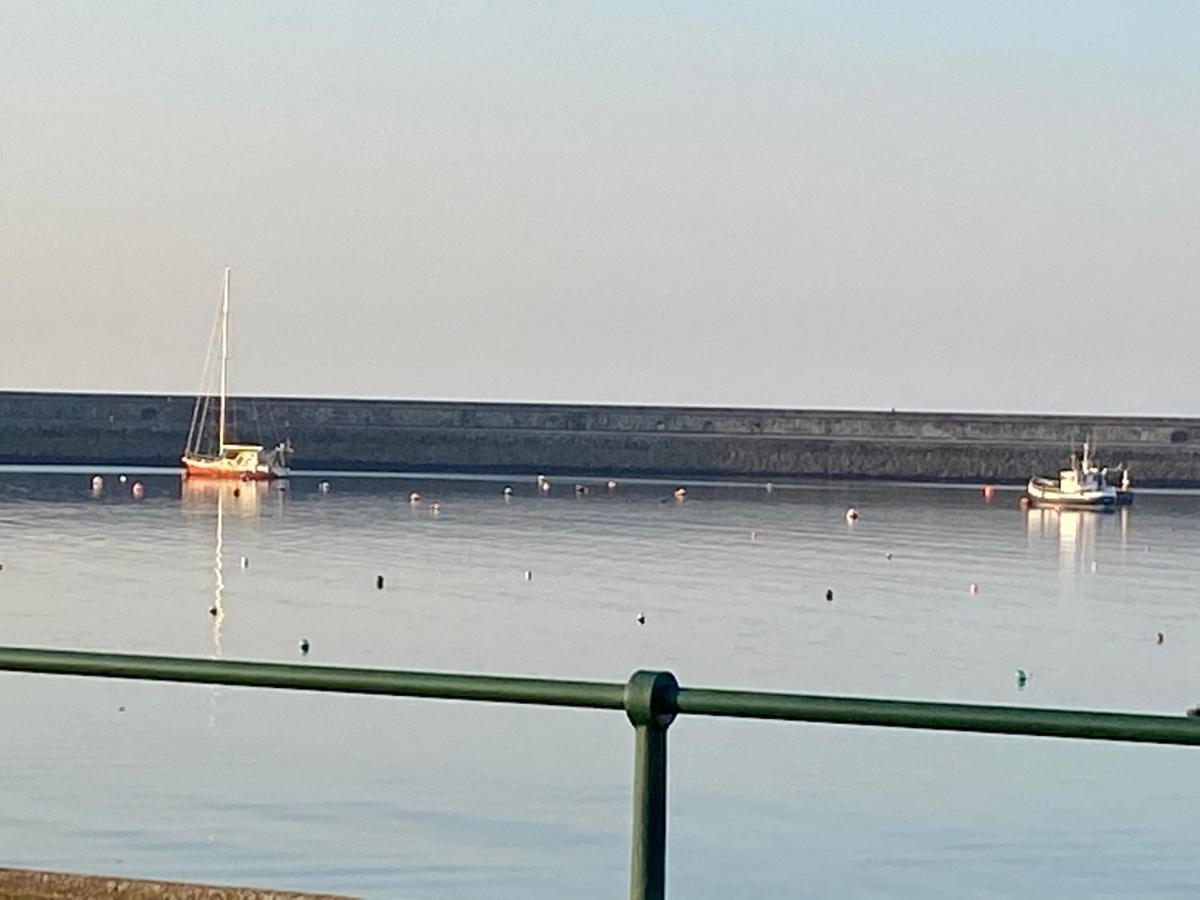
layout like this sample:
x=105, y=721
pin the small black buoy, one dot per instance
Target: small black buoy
x=829, y=595
x=120, y=709
x=212, y=610
x=641, y=618
x=379, y=582
x=304, y=646
x=1159, y=638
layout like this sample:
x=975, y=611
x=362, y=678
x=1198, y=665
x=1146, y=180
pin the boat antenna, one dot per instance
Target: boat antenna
x=224, y=356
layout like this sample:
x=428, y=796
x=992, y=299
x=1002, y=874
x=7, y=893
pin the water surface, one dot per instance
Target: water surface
x=396, y=798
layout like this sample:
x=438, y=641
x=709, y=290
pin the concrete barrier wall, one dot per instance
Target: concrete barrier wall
x=130, y=429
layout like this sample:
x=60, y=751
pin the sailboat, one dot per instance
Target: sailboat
x=227, y=459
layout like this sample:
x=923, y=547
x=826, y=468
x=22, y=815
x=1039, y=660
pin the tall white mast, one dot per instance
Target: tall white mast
x=224, y=355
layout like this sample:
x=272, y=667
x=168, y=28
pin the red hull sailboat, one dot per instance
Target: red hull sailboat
x=226, y=459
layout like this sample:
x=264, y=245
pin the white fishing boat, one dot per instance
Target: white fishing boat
x=1082, y=486
x=223, y=458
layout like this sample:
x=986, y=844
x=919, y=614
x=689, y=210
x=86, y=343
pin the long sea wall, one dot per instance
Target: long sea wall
x=675, y=442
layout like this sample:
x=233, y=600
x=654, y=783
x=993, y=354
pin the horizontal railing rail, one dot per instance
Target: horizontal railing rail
x=651, y=701
x=934, y=716
x=332, y=679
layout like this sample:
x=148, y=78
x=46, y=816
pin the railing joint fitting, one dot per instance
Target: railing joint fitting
x=650, y=698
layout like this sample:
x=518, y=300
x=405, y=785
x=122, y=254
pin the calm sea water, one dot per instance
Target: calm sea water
x=395, y=798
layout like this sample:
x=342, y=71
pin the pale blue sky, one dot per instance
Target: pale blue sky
x=922, y=205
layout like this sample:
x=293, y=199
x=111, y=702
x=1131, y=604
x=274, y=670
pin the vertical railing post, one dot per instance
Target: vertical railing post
x=650, y=705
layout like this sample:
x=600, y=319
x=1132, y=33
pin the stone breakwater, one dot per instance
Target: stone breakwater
x=652, y=441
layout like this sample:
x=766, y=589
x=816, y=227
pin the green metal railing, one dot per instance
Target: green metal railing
x=651, y=700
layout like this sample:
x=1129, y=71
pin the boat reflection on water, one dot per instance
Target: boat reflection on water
x=1076, y=532
x=219, y=498
x=217, y=610
x=242, y=498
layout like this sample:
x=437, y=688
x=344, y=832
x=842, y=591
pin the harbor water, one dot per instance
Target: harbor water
x=938, y=593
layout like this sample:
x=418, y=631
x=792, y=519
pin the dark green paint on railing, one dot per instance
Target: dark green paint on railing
x=651, y=700
x=334, y=679
x=978, y=718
